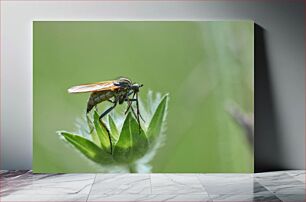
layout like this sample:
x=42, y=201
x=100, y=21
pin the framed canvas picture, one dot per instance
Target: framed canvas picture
x=143, y=96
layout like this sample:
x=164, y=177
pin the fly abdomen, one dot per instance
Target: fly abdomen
x=98, y=97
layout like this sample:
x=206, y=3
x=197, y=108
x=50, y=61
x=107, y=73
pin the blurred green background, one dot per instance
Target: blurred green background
x=203, y=65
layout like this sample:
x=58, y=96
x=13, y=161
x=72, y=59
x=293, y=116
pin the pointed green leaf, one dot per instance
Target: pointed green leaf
x=113, y=129
x=156, y=124
x=132, y=143
x=102, y=133
x=88, y=148
x=92, y=132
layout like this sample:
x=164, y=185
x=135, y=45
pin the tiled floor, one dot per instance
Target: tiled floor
x=274, y=186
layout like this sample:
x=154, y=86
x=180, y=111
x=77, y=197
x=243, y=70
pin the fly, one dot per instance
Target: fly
x=114, y=91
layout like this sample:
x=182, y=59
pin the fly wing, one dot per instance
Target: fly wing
x=94, y=87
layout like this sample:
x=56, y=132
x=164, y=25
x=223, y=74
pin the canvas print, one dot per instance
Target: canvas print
x=143, y=96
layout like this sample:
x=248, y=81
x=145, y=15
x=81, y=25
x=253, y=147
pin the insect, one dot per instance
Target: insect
x=114, y=91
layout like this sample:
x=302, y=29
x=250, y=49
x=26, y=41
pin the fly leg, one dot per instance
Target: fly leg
x=133, y=111
x=130, y=100
x=138, y=111
x=108, y=110
x=127, y=99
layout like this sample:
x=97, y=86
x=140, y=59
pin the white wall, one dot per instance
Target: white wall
x=283, y=27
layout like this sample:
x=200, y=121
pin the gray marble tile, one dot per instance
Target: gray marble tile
x=259, y=189
x=298, y=175
x=292, y=197
x=276, y=175
x=286, y=188
x=217, y=184
x=48, y=184
x=121, y=184
x=269, y=174
x=279, y=175
x=266, y=197
x=244, y=198
x=281, y=183
x=183, y=198
x=150, y=198
x=14, y=175
x=3, y=171
x=14, y=180
x=42, y=198
x=176, y=184
x=295, y=171
x=272, y=186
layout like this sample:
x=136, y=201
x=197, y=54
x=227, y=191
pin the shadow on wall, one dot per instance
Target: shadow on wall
x=267, y=148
